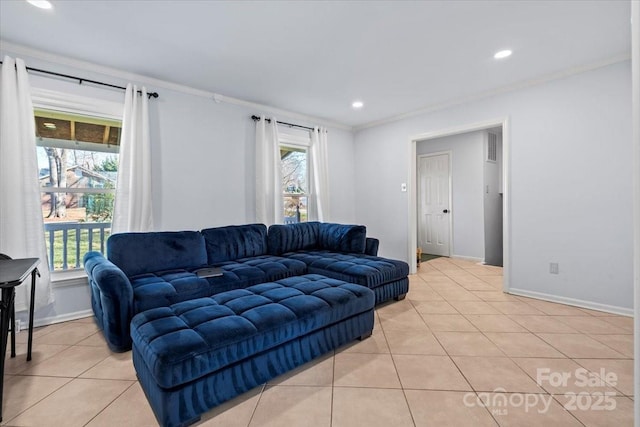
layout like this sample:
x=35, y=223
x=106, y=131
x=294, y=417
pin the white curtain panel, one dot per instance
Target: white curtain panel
x=21, y=227
x=269, y=204
x=133, y=208
x=319, y=176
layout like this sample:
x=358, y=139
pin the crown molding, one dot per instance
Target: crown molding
x=100, y=69
x=498, y=91
x=280, y=112
x=139, y=78
x=6, y=46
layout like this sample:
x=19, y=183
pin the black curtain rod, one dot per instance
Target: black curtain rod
x=293, y=125
x=82, y=80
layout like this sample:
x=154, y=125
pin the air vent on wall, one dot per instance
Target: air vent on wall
x=492, y=147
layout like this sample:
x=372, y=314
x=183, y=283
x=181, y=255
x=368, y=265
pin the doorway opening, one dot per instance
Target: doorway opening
x=465, y=212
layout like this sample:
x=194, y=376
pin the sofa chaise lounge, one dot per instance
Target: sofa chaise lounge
x=196, y=354
x=144, y=271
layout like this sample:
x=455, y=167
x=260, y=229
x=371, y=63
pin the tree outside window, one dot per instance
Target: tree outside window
x=294, y=183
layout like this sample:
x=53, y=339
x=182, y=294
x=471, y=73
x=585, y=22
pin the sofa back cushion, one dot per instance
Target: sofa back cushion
x=317, y=235
x=342, y=237
x=235, y=242
x=139, y=253
x=293, y=237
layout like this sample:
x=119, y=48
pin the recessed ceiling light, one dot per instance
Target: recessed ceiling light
x=42, y=4
x=357, y=104
x=49, y=125
x=502, y=54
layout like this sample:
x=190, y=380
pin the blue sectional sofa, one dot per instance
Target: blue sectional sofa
x=143, y=271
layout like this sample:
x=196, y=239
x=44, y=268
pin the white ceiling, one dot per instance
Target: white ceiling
x=315, y=58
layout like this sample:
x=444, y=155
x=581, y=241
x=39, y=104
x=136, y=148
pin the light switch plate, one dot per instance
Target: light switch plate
x=403, y=187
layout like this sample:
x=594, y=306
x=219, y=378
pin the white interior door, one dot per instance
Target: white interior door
x=434, y=212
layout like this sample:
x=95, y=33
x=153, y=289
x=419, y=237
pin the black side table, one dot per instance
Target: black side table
x=12, y=273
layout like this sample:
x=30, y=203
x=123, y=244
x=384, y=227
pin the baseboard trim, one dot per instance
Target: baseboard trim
x=573, y=301
x=58, y=319
x=467, y=258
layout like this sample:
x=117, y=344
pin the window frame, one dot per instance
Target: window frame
x=297, y=140
x=44, y=99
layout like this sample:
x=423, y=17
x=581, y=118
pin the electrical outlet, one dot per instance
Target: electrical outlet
x=554, y=268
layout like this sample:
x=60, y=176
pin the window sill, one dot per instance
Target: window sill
x=60, y=279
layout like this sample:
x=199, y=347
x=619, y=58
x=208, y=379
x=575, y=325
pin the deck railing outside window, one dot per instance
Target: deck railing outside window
x=67, y=242
x=295, y=208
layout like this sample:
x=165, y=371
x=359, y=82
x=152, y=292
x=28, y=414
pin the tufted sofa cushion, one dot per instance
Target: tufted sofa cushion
x=191, y=339
x=164, y=288
x=365, y=270
x=274, y=267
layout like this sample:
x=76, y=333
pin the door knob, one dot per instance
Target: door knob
x=445, y=211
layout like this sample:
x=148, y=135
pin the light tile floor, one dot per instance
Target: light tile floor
x=456, y=352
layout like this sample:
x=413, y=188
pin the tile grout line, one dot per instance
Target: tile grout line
x=465, y=377
x=255, y=408
x=333, y=383
x=395, y=367
x=506, y=356
x=110, y=403
x=40, y=400
x=554, y=347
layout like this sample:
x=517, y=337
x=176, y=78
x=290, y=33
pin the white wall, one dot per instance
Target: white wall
x=635, y=55
x=467, y=206
x=570, y=177
x=203, y=164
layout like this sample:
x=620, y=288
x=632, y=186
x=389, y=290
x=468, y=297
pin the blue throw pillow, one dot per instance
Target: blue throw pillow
x=293, y=237
x=139, y=253
x=235, y=242
x=343, y=238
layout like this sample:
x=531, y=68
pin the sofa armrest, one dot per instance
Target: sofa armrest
x=371, y=246
x=111, y=299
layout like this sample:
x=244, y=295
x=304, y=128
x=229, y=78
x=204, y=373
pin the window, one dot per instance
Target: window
x=294, y=162
x=78, y=164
